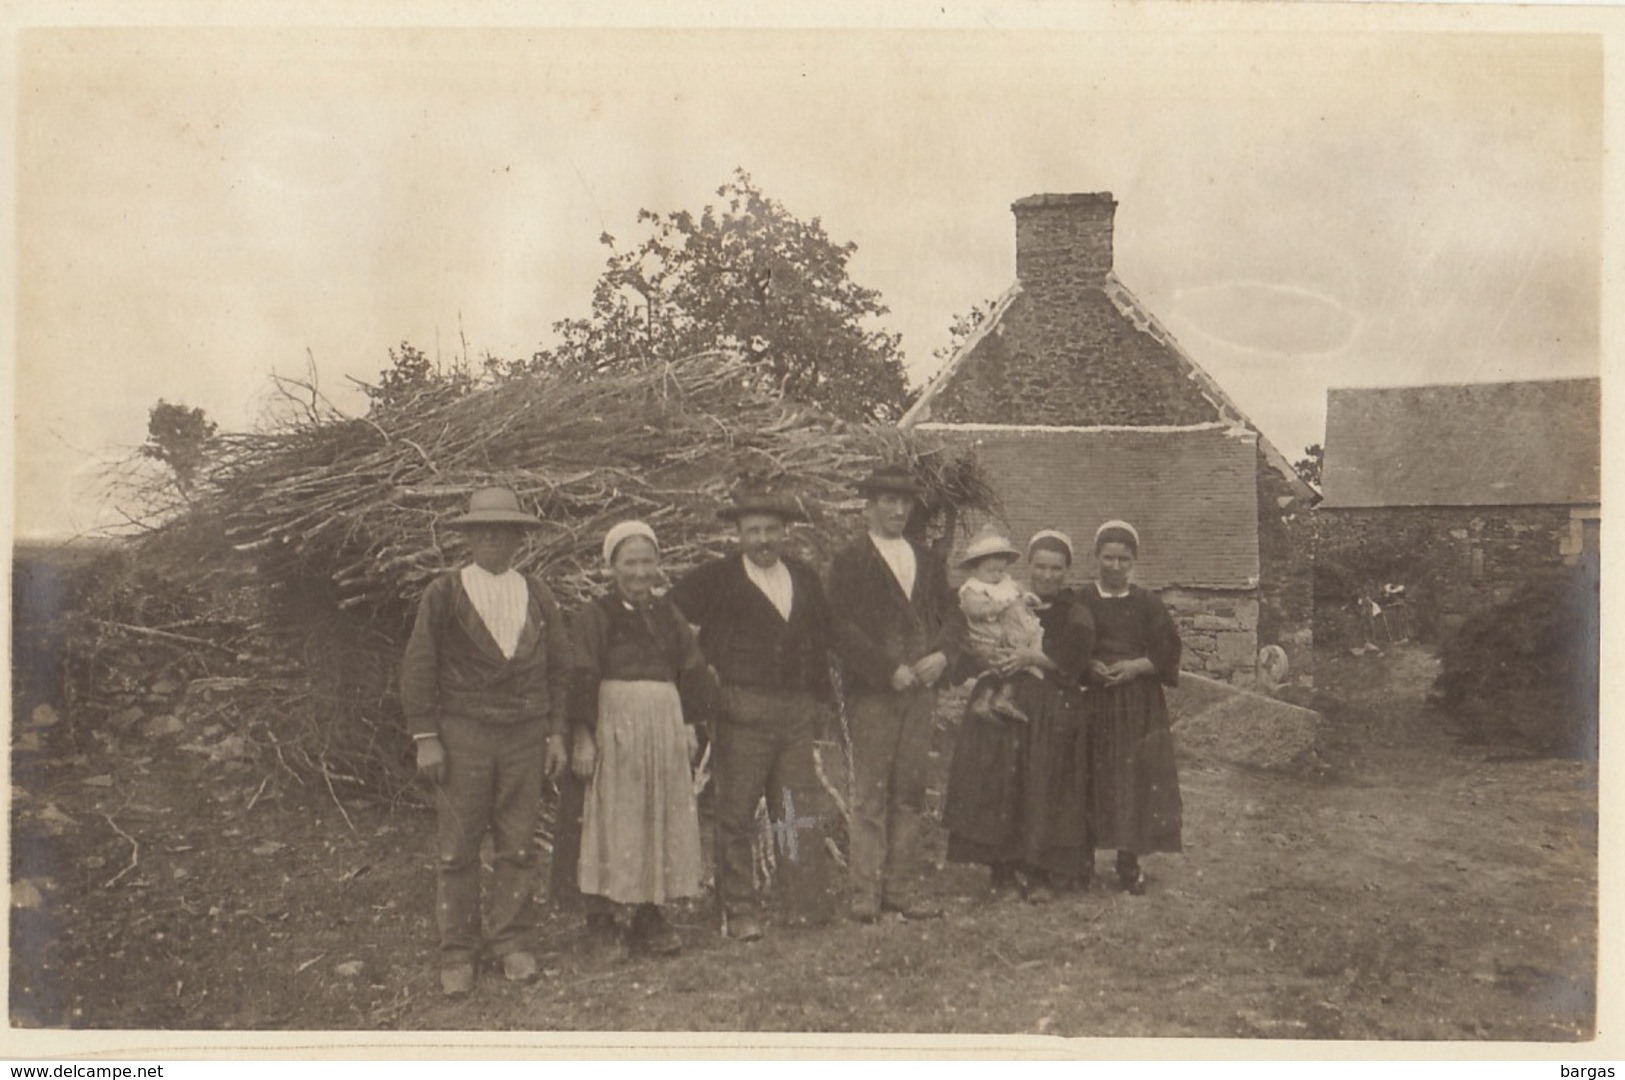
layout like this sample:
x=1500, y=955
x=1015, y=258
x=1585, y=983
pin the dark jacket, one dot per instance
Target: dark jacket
x=650, y=643
x=1132, y=626
x=877, y=628
x=745, y=638
x=454, y=667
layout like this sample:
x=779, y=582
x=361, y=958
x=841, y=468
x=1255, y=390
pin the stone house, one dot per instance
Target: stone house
x=1084, y=408
x=1458, y=493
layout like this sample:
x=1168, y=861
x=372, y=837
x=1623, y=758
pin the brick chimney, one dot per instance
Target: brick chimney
x=1063, y=241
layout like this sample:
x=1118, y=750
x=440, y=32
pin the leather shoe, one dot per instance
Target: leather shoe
x=519, y=967
x=865, y=909
x=653, y=934
x=912, y=908
x=457, y=981
x=744, y=927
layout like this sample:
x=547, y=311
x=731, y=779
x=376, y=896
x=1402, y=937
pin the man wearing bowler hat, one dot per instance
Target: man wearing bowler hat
x=765, y=628
x=484, y=685
x=897, y=629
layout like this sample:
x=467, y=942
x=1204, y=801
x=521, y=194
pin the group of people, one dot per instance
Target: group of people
x=1064, y=748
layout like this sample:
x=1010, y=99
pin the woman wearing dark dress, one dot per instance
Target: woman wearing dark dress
x=1134, y=785
x=1017, y=791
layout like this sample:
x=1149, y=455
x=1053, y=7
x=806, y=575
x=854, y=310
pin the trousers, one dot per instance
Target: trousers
x=891, y=741
x=493, y=785
x=764, y=749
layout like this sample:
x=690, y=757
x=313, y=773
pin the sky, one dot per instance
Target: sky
x=198, y=208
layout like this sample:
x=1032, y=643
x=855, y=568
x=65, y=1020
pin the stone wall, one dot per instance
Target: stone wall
x=1071, y=359
x=1453, y=561
x=1219, y=631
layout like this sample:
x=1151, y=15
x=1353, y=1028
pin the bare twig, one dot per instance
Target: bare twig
x=164, y=635
x=135, y=852
x=257, y=794
x=277, y=746
x=328, y=778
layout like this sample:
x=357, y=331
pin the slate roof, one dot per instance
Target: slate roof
x=1479, y=444
x=1191, y=492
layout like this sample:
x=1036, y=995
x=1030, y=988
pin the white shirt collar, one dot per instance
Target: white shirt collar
x=501, y=601
x=898, y=554
x=774, y=582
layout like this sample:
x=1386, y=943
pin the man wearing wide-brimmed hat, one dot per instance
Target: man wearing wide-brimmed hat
x=897, y=629
x=765, y=628
x=484, y=686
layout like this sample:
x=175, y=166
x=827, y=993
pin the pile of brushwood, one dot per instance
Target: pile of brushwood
x=287, y=587
x=1525, y=670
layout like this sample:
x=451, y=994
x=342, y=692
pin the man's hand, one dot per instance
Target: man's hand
x=904, y=678
x=432, y=759
x=930, y=668
x=554, y=758
x=583, y=756
x=693, y=743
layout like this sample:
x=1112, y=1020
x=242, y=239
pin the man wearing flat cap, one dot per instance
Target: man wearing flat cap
x=897, y=629
x=484, y=685
x=765, y=628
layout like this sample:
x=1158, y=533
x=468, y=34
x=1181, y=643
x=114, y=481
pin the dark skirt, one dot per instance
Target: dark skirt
x=1017, y=793
x=1134, y=786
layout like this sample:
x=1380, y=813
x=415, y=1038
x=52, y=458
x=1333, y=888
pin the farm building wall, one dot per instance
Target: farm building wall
x=1452, y=560
x=1219, y=629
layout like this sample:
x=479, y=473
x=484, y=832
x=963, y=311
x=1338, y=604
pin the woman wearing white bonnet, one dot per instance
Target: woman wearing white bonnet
x=633, y=745
x=1135, y=799
x=1017, y=795
x=625, y=531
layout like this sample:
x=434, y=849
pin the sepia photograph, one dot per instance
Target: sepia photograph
x=1031, y=524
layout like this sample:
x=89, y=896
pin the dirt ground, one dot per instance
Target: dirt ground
x=1407, y=887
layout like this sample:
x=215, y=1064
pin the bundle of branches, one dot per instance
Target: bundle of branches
x=343, y=517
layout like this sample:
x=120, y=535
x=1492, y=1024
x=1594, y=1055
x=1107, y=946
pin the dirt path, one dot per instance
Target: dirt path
x=1424, y=890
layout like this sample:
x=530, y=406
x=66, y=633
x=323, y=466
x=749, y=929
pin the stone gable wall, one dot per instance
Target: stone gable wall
x=1069, y=358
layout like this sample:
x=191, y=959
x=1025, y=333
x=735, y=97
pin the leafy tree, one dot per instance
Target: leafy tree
x=1309, y=467
x=747, y=277
x=411, y=372
x=963, y=326
x=180, y=438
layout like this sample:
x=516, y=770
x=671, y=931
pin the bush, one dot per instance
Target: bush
x=1525, y=670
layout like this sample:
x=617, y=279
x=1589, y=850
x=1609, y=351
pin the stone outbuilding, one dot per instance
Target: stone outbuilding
x=1084, y=408
x=1459, y=494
